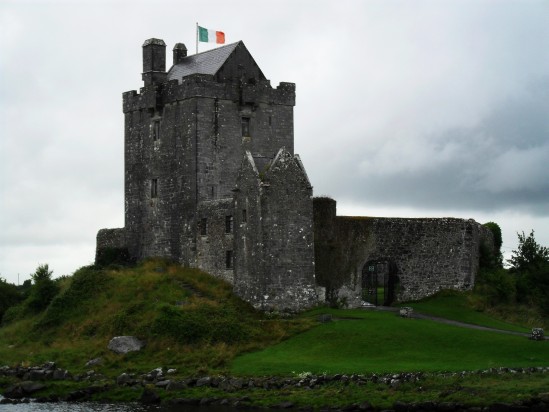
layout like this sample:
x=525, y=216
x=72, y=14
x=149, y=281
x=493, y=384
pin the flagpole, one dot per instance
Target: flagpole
x=196, y=37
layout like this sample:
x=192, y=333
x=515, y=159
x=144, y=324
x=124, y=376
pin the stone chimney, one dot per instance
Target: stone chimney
x=179, y=53
x=154, y=61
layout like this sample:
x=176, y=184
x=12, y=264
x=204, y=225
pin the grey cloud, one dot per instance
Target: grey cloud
x=499, y=164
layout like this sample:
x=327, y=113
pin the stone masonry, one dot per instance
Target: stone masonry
x=212, y=181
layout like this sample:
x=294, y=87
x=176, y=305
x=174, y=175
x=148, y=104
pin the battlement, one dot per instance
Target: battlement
x=204, y=85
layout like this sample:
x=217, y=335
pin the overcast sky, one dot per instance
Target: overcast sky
x=405, y=108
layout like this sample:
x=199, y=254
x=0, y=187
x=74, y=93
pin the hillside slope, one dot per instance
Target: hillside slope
x=189, y=320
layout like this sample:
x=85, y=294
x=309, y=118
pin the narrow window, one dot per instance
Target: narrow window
x=270, y=120
x=228, y=224
x=156, y=130
x=204, y=226
x=245, y=126
x=229, y=259
x=244, y=215
x=154, y=188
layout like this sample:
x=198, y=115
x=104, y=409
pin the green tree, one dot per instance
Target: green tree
x=43, y=290
x=9, y=296
x=496, y=232
x=529, y=254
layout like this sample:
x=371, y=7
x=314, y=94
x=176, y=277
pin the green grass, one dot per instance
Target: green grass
x=383, y=342
x=456, y=306
x=190, y=321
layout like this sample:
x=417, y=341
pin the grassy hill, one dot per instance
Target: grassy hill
x=190, y=320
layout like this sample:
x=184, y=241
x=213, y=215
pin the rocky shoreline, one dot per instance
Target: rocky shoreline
x=32, y=380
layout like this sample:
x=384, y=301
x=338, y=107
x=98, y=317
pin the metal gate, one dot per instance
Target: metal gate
x=378, y=282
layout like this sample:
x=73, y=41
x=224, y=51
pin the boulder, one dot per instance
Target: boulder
x=537, y=334
x=406, y=312
x=125, y=344
x=22, y=389
x=93, y=362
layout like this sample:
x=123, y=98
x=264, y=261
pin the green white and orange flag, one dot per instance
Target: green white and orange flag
x=210, y=36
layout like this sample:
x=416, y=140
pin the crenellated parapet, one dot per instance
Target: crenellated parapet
x=204, y=85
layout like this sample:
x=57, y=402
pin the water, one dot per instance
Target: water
x=108, y=407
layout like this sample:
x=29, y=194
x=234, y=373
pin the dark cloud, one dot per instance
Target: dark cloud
x=499, y=164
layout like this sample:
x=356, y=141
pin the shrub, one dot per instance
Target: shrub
x=43, y=290
x=111, y=256
x=203, y=323
x=9, y=296
x=13, y=313
x=497, y=286
x=86, y=282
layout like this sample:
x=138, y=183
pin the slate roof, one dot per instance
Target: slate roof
x=208, y=62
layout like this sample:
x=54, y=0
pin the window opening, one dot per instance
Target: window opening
x=156, y=130
x=154, y=188
x=245, y=126
x=228, y=224
x=204, y=226
x=244, y=215
x=229, y=259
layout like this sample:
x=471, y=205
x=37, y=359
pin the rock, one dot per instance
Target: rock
x=23, y=389
x=156, y=373
x=125, y=344
x=149, y=397
x=286, y=405
x=37, y=375
x=93, y=362
x=171, y=371
x=31, y=387
x=14, y=392
x=162, y=384
x=124, y=379
x=176, y=385
x=406, y=312
x=49, y=365
x=537, y=334
x=60, y=374
x=205, y=381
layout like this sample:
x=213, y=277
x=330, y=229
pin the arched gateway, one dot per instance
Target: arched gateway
x=379, y=282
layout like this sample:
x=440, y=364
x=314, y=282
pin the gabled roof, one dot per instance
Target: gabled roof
x=208, y=62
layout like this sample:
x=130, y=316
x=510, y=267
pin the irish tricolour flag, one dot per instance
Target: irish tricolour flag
x=210, y=36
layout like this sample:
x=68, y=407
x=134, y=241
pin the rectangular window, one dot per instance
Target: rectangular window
x=245, y=126
x=228, y=224
x=154, y=188
x=244, y=215
x=204, y=226
x=156, y=130
x=229, y=259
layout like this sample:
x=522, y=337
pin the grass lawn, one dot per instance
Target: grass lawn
x=455, y=306
x=383, y=342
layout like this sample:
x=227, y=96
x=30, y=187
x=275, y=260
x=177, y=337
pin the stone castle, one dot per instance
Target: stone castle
x=212, y=181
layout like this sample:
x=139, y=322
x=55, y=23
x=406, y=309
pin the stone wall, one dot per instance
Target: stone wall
x=428, y=254
x=184, y=143
x=274, y=266
x=215, y=248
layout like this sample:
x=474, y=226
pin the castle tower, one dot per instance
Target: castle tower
x=186, y=133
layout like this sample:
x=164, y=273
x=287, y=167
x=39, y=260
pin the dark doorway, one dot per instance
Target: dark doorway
x=379, y=282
